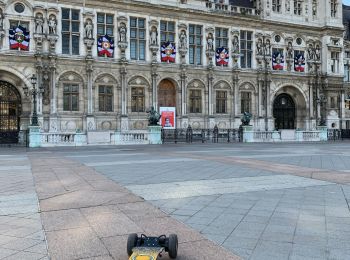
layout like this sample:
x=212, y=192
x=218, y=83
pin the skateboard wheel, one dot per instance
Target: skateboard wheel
x=173, y=245
x=132, y=241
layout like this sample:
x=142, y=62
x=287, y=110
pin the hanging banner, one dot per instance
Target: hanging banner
x=299, y=61
x=105, y=46
x=19, y=38
x=168, y=52
x=222, y=56
x=277, y=59
x=168, y=117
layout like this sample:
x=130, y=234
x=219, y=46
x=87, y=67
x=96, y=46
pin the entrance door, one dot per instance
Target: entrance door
x=166, y=94
x=284, y=112
x=10, y=109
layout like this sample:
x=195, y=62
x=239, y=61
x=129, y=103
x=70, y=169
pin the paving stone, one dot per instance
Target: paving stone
x=63, y=219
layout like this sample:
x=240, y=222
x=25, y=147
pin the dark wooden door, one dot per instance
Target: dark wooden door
x=284, y=112
x=166, y=94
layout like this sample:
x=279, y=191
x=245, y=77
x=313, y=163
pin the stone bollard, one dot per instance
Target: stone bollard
x=276, y=137
x=299, y=135
x=323, y=133
x=248, y=134
x=155, y=134
x=34, y=136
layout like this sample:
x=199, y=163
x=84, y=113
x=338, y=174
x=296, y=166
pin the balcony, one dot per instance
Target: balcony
x=232, y=7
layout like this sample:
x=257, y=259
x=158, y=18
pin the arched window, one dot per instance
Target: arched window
x=137, y=99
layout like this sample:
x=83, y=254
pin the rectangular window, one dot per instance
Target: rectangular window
x=105, y=24
x=105, y=98
x=276, y=6
x=137, y=38
x=334, y=5
x=138, y=99
x=70, y=97
x=195, y=44
x=221, y=37
x=70, y=31
x=298, y=8
x=246, y=100
x=246, y=49
x=195, y=101
x=332, y=102
x=221, y=102
x=167, y=32
x=15, y=23
x=346, y=73
x=335, y=62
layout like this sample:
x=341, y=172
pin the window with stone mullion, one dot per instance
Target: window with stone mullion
x=298, y=7
x=70, y=31
x=138, y=99
x=105, y=97
x=333, y=8
x=137, y=38
x=195, y=44
x=167, y=32
x=346, y=73
x=276, y=6
x=195, y=101
x=105, y=25
x=221, y=102
x=245, y=102
x=246, y=43
x=221, y=37
x=70, y=97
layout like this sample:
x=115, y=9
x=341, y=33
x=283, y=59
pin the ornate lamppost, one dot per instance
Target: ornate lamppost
x=34, y=92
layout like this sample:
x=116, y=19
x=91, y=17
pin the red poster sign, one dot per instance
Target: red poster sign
x=168, y=119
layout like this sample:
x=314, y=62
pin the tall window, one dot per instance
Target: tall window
x=246, y=49
x=334, y=5
x=15, y=23
x=105, y=24
x=70, y=97
x=332, y=105
x=137, y=99
x=195, y=42
x=167, y=32
x=105, y=98
x=137, y=38
x=246, y=100
x=335, y=62
x=70, y=31
x=221, y=102
x=221, y=37
x=298, y=8
x=195, y=101
x=346, y=73
x=276, y=6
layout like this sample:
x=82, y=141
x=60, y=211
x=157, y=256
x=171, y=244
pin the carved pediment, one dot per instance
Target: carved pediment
x=138, y=81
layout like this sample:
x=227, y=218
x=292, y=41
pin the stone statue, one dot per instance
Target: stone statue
x=268, y=47
x=2, y=16
x=235, y=44
x=39, y=24
x=88, y=29
x=310, y=52
x=210, y=42
x=183, y=40
x=122, y=33
x=52, y=25
x=290, y=50
x=246, y=118
x=154, y=36
x=259, y=47
x=287, y=5
x=314, y=8
x=317, y=53
x=153, y=117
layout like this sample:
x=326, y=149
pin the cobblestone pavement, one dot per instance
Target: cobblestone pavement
x=21, y=233
x=259, y=201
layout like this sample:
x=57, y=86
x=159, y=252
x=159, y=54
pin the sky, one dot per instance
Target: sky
x=346, y=2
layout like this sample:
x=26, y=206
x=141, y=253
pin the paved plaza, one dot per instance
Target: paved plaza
x=225, y=201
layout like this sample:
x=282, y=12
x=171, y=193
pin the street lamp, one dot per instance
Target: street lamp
x=34, y=92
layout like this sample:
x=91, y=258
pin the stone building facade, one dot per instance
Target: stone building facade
x=101, y=64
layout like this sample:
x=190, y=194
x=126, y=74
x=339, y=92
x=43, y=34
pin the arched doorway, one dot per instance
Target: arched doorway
x=10, y=110
x=166, y=94
x=284, y=112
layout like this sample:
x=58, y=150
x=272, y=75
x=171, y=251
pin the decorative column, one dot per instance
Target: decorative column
x=210, y=97
x=154, y=47
x=2, y=18
x=236, y=103
x=154, y=75
x=124, y=116
x=53, y=124
x=210, y=45
x=183, y=49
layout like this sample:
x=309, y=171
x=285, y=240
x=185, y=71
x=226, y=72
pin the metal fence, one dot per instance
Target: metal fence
x=338, y=134
x=14, y=139
x=189, y=135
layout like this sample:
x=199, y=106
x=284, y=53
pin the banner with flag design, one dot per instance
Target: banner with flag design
x=19, y=38
x=168, y=52
x=105, y=46
x=222, y=56
x=277, y=59
x=299, y=61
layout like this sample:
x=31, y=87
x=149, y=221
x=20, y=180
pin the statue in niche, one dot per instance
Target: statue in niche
x=39, y=24
x=89, y=29
x=290, y=50
x=2, y=16
x=259, y=47
x=235, y=44
x=287, y=5
x=122, y=32
x=310, y=52
x=183, y=40
x=318, y=53
x=154, y=36
x=210, y=42
x=52, y=25
x=268, y=47
x=314, y=8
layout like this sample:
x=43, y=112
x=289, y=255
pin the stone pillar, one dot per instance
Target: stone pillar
x=154, y=76
x=236, y=103
x=342, y=110
x=154, y=135
x=34, y=136
x=183, y=78
x=90, y=119
x=323, y=133
x=248, y=134
x=124, y=117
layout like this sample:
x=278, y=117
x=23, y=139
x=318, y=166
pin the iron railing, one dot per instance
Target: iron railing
x=338, y=134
